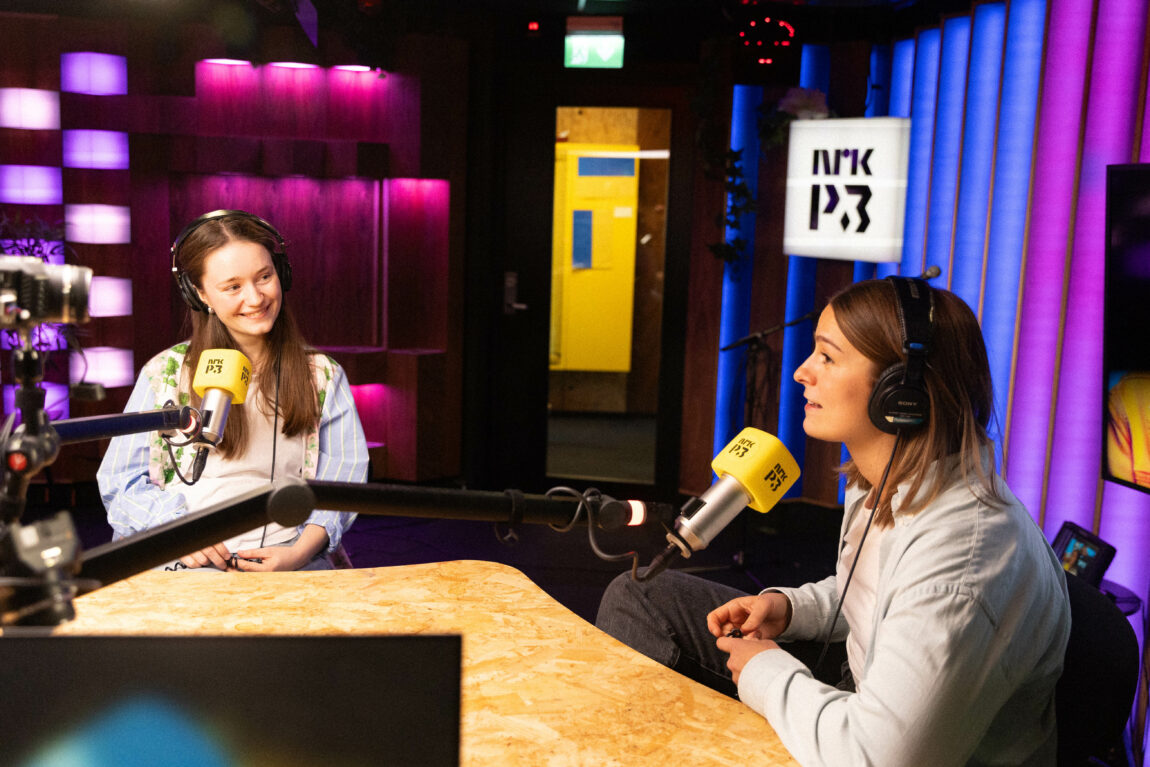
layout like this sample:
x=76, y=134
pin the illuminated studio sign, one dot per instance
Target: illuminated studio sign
x=846, y=188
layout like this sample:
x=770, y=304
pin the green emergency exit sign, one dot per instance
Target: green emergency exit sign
x=597, y=51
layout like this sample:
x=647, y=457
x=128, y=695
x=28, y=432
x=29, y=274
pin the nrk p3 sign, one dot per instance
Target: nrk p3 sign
x=846, y=188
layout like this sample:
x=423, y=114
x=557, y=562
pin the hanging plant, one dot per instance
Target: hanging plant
x=796, y=104
x=740, y=201
x=33, y=237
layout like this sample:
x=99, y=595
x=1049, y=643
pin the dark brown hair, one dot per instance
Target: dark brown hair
x=958, y=385
x=298, y=398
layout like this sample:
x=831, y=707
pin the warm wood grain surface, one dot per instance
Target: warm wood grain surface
x=541, y=686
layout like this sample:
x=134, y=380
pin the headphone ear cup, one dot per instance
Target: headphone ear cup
x=896, y=405
x=283, y=270
x=189, y=294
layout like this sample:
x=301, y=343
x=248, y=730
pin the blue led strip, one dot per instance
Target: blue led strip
x=798, y=341
x=734, y=319
x=877, y=105
x=901, y=84
x=1006, y=235
x=947, y=143
x=973, y=205
x=923, y=95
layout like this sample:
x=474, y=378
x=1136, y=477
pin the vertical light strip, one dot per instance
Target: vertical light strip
x=878, y=84
x=901, y=87
x=1048, y=231
x=1112, y=100
x=877, y=105
x=1125, y=512
x=734, y=319
x=815, y=72
x=988, y=30
x=924, y=94
x=947, y=149
x=1017, y=116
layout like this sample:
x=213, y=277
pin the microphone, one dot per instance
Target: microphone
x=930, y=273
x=222, y=378
x=813, y=313
x=754, y=470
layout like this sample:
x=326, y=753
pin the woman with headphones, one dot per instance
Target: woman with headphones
x=297, y=418
x=951, y=604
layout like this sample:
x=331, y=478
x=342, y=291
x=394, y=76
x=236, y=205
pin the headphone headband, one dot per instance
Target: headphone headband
x=279, y=254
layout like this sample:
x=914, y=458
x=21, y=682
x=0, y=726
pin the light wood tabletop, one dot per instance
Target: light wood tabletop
x=541, y=686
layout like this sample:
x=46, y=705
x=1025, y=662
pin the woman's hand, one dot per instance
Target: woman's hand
x=311, y=541
x=271, y=559
x=216, y=556
x=741, y=651
x=762, y=616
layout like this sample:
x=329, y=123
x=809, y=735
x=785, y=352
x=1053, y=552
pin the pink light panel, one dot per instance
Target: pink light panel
x=31, y=185
x=29, y=109
x=340, y=102
x=96, y=74
x=96, y=149
x=371, y=404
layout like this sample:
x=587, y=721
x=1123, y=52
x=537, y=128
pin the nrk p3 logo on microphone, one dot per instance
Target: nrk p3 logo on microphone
x=846, y=188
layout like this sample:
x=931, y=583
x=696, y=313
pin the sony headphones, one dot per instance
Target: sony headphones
x=188, y=289
x=899, y=399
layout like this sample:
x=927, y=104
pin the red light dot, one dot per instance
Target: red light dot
x=752, y=23
x=17, y=461
x=533, y=26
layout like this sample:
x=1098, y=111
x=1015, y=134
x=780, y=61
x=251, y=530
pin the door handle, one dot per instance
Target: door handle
x=511, y=303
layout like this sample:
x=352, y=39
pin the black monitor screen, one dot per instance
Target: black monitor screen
x=238, y=701
x=1126, y=340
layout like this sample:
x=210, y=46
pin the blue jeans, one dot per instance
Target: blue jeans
x=665, y=618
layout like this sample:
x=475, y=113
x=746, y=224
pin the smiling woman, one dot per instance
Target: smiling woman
x=232, y=271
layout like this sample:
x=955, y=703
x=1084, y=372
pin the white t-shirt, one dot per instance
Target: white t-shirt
x=859, y=605
x=224, y=479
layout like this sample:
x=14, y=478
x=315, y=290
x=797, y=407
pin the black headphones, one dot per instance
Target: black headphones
x=899, y=399
x=188, y=289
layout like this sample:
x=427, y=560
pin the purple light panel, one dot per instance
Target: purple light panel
x=1112, y=102
x=103, y=365
x=96, y=74
x=31, y=185
x=110, y=297
x=44, y=337
x=95, y=149
x=1125, y=517
x=29, y=109
x=98, y=224
x=1056, y=159
x=55, y=401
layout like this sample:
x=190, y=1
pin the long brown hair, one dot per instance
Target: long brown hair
x=958, y=384
x=288, y=358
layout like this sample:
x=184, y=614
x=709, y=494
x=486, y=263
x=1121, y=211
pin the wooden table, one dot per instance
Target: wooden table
x=541, y=686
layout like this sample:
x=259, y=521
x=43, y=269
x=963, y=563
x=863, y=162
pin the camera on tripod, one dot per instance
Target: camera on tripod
x=34, y=292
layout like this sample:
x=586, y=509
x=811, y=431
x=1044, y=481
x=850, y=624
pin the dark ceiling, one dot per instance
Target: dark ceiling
x=357, y=21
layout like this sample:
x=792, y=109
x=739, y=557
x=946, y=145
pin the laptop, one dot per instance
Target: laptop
x=230, y=701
